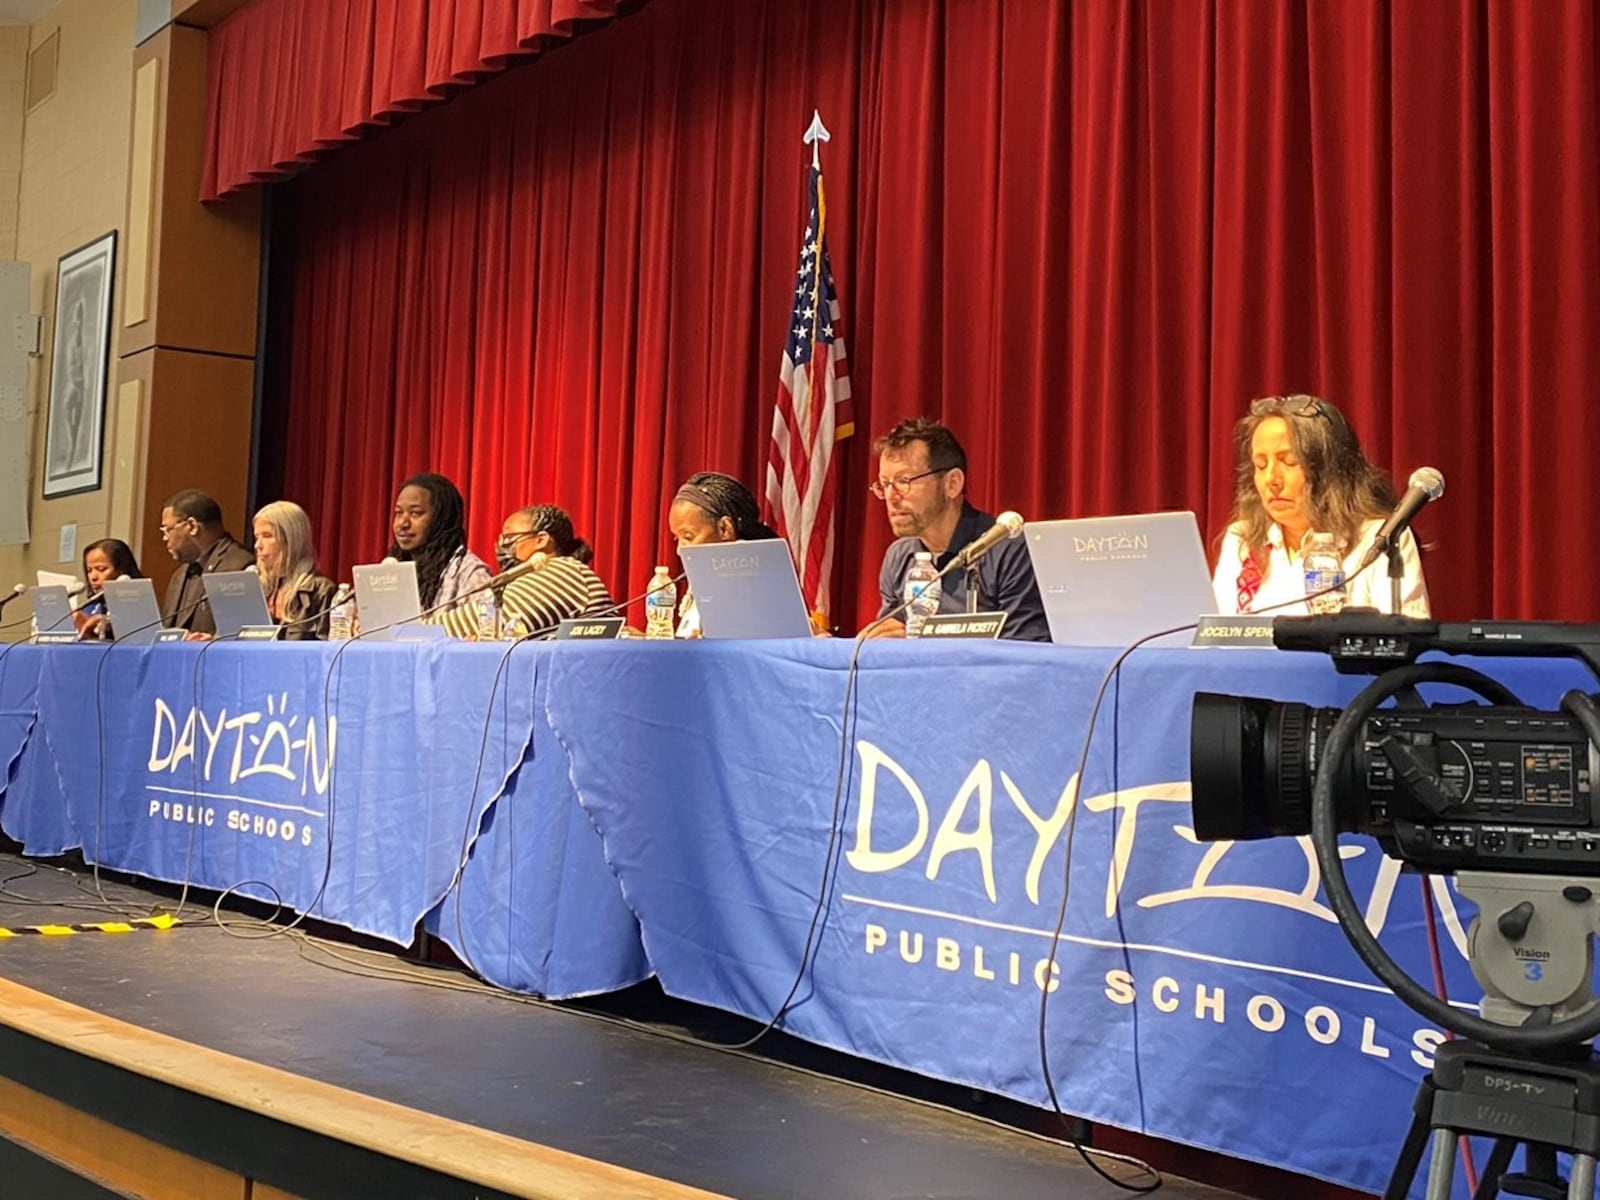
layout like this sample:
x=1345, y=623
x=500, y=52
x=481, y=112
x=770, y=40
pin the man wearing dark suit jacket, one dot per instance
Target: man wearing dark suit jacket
x=191, y=527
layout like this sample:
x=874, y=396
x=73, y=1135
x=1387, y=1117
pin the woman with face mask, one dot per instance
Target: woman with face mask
x=557, y=585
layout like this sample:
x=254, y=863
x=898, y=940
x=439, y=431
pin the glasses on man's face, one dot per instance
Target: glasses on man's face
x=900, y=485
x=167, y=531
x=1293, y=406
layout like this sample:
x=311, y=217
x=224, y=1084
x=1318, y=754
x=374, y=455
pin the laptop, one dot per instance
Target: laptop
x=1109, y=581
x=386, y=594
x=131, y=605
x=236, y=601
x=746, y=590
x=52, y=609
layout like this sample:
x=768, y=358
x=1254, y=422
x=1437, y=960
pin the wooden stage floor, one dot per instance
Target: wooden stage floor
x=318, y=1068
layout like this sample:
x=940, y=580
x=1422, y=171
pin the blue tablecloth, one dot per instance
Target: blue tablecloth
x=366, y=788
x=1202, y=993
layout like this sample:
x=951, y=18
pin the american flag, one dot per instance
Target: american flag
x=813, y=412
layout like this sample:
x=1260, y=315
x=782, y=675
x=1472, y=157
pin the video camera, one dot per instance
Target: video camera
x=1501, y=787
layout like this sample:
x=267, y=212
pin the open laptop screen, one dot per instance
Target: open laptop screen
x=131, y=604
x=746, y=589
x=1109, y=581
x=386, y=594
x=236, y=601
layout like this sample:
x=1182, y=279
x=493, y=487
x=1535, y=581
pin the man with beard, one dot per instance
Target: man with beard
x=922, y=479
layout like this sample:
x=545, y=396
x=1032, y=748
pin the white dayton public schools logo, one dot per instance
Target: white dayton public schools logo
x=735, y=564
x=222, y=757
x=1123, y=545
x=1007, y=943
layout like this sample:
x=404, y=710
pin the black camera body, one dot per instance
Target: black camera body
x=1489, y=788
x=1497, y=787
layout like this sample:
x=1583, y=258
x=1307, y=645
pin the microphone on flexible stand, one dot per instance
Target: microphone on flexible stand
x=494, y=582
x=16, y=591
x=1006, y=526
x=1424, y=486
x=616, y=610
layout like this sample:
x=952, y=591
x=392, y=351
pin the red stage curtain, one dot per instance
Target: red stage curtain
x=291, y=79
x=1085, y=234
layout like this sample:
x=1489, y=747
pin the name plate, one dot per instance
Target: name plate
x=60, y=637
x=170, y=635
x=1253, y=632
x=259, y=633
x=963, y=625
x=589, y=629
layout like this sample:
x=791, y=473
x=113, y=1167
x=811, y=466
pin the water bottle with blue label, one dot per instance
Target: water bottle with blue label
x=1324, y=568
x=922, y=592
x=660, y=605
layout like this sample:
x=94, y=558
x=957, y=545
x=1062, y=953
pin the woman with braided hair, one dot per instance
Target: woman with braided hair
x=430, y=530
x=559, y=584
x=712, y=507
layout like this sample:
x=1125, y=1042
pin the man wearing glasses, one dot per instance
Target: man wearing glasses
x=922, y=480
x=191, y=527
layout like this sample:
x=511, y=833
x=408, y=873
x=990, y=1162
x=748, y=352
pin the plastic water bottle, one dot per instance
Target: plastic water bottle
x=488, y=616
x=922, y=592
x=660, y=605
x=1324, y=567
x=341, y=620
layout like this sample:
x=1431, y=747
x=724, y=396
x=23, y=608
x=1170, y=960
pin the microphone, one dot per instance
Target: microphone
x=1006, y=526
x=340, y=594
x=495, y=582
x=388, y=560
x=616, y=610
x=18, y=590
x=75, y=588
x=1425, y=485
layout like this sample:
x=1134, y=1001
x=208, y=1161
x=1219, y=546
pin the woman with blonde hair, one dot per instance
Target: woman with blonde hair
x=298, y=597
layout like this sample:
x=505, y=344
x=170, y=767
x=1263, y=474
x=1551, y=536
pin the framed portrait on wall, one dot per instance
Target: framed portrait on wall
x=75, y=426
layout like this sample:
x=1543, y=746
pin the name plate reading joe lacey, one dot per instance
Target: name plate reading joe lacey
x=963, y=625
x=588, y=629
x=1249, y=631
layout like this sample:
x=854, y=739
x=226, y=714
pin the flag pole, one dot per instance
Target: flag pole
x=815, y=136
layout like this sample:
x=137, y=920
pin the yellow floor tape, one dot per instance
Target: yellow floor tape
x=164, y=921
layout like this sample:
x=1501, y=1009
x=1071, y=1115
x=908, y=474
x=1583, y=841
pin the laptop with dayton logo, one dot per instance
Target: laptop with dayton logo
x=1109, y=581
x=746, y=589
x=236, y=601
x=52, y=610
x=386, y=595
x=131, y=605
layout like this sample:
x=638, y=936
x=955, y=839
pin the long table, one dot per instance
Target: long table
x=573, y=817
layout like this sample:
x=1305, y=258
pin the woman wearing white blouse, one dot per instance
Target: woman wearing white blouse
x=1301, y=468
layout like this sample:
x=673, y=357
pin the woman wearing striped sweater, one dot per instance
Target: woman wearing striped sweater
x=559, y=585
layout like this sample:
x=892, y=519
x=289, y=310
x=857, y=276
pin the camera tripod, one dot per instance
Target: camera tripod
x=1530, y=949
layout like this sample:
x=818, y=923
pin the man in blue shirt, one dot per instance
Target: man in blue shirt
x=922, y=480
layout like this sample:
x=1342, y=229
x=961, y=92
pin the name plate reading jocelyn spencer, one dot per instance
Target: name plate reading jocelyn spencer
x=592, y=629
x=964, y=625
x=1252, y=632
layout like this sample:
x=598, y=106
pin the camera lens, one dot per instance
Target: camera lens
x=1250, y=766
